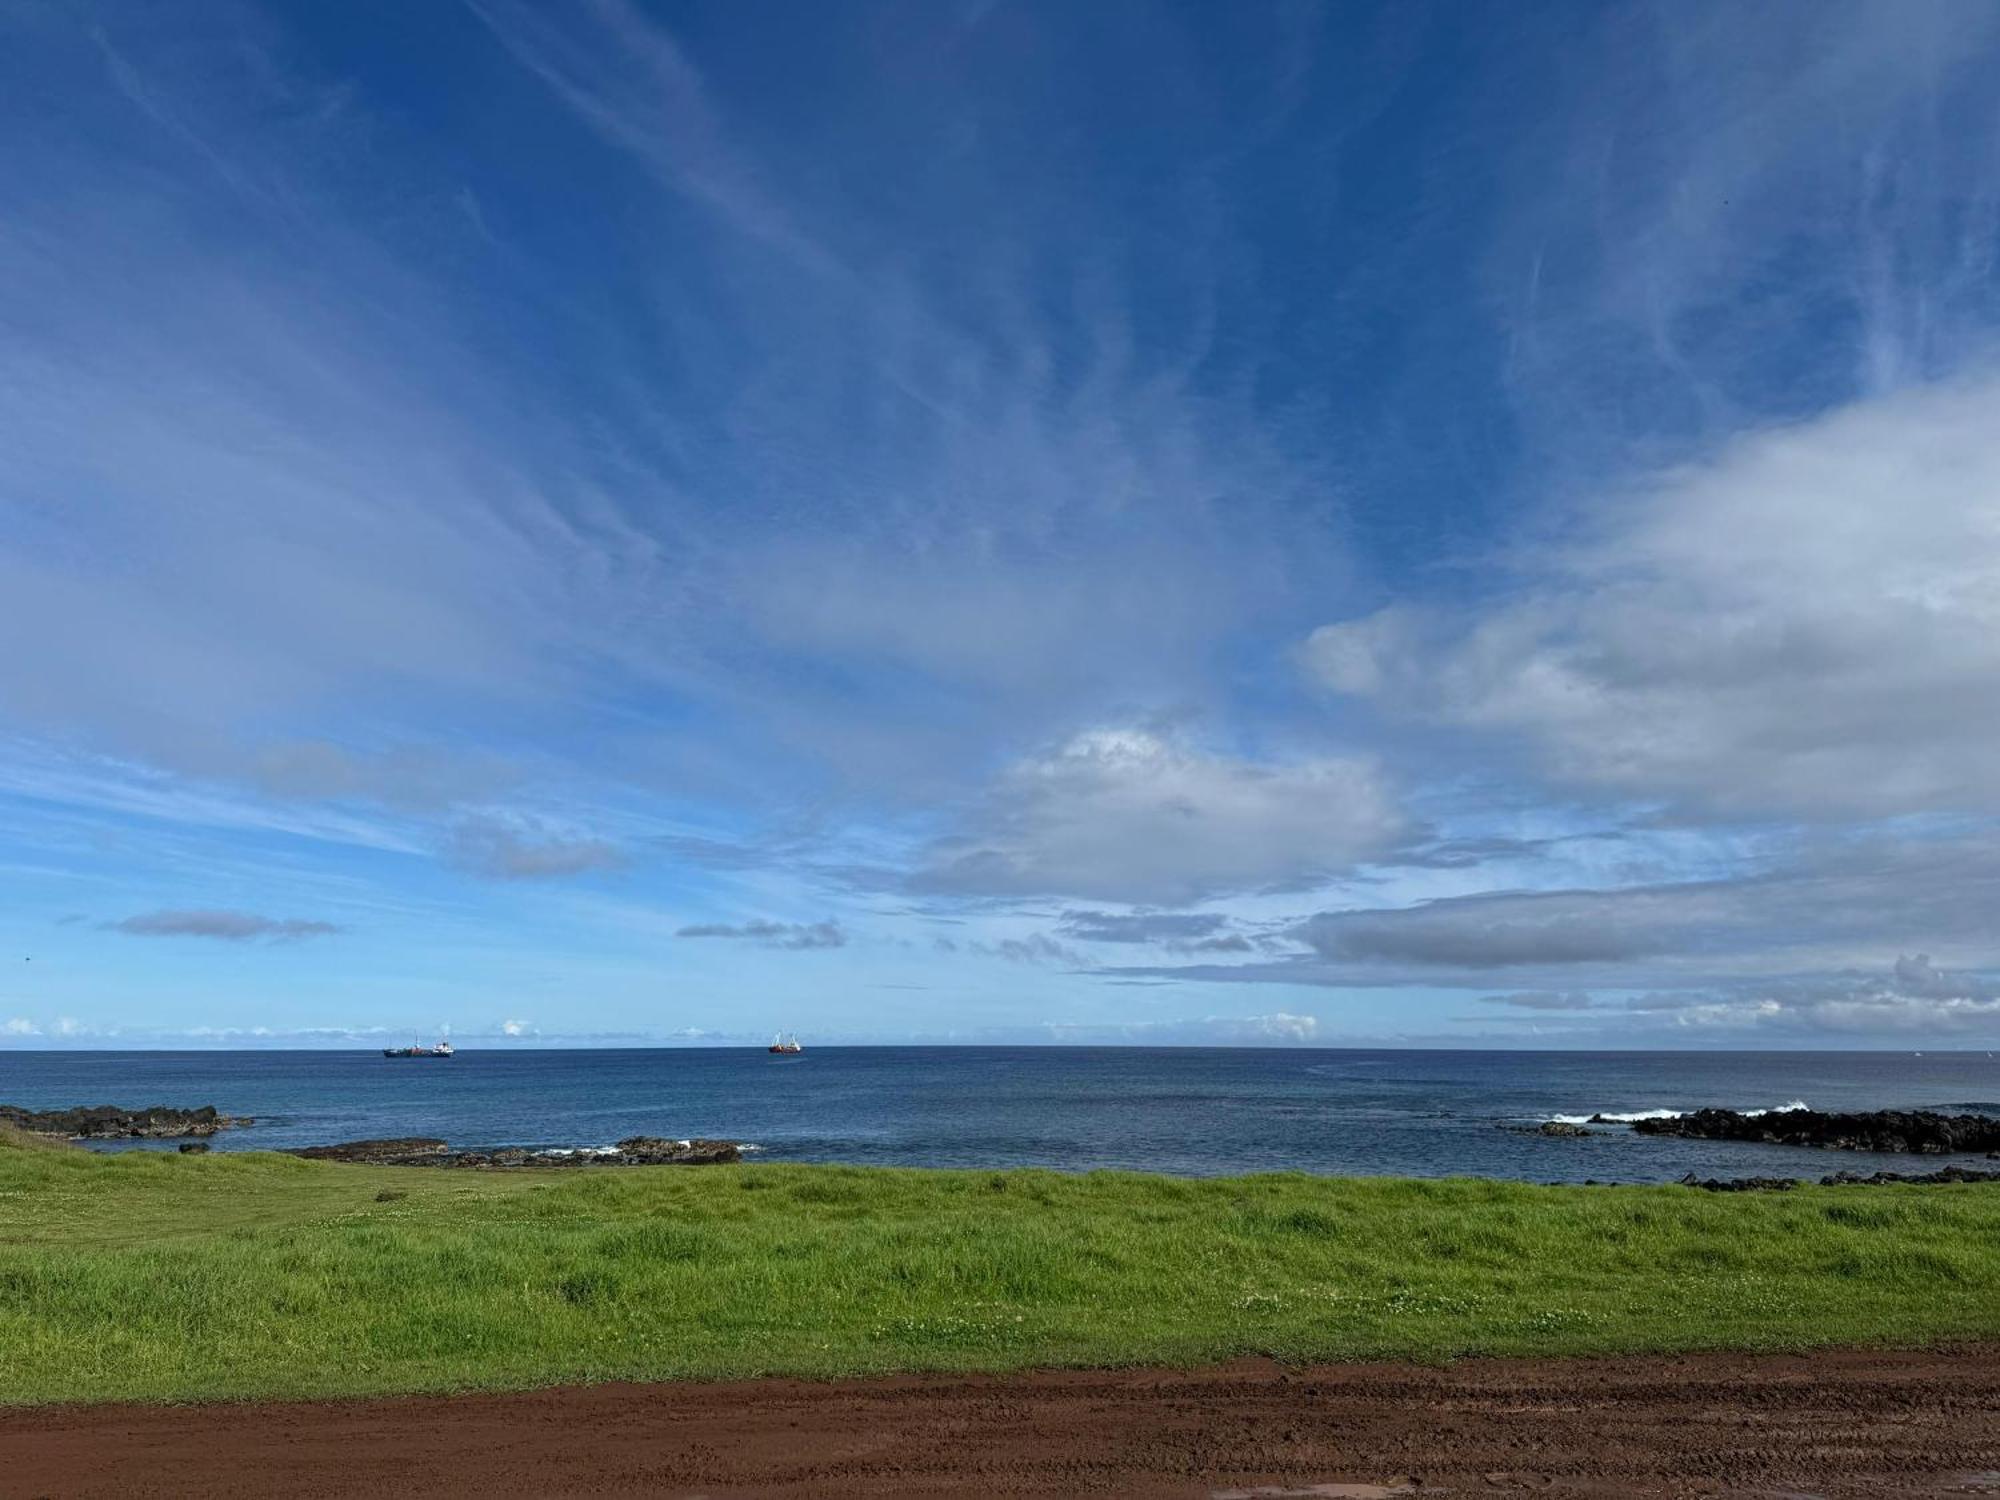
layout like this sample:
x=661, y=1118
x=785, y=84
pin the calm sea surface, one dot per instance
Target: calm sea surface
x=1194, y=1111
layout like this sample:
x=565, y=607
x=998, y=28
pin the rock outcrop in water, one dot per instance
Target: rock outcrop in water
x=108, y=1122
x=1916, y=1131
x=427, y=1151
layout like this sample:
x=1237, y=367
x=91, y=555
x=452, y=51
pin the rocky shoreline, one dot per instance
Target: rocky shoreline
x=1942, y=1176
x=108, y=1122
x=1918, y=1132
x=192, y=1127
x=427, y=1151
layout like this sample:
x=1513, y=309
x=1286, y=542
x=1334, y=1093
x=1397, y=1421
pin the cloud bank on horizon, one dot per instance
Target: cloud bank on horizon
x=1000, y=522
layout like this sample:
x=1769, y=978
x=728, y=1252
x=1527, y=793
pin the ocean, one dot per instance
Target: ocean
x=1189, y=1111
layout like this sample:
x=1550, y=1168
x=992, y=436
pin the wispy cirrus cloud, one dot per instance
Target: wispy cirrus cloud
x=941, y=535
x=636, y=87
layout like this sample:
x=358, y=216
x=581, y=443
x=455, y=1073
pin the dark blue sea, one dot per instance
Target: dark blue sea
x=1193, y=1111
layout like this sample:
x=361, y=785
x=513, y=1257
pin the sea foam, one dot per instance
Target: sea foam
x=1608, y=1117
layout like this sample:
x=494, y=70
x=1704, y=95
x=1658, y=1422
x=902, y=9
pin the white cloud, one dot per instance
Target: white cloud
x=19, y=1026
x=514, y=1028
x=1129, y=815
x=1807, y=623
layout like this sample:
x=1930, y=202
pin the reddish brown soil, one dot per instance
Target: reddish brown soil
x=1837, y=1424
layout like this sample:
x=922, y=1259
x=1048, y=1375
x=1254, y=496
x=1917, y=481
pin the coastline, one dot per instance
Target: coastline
x=1186, y=1112
x=1923, y=1146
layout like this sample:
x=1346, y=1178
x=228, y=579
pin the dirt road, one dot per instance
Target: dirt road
x=1832, y=1425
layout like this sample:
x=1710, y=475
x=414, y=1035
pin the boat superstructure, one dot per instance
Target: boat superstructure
x=784, y=1044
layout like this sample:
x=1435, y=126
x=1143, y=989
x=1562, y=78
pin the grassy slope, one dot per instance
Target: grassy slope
x=160, y=1277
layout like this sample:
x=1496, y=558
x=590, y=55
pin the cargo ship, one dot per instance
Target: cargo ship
x=442, y=1049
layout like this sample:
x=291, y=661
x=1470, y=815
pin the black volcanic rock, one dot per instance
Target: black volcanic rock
x=1740, y=1184
x=108, y=1122
x=650, y=1150
x=427, y=1151
x=1917, y=1131
x=395, y=1151
x=1943, y=1176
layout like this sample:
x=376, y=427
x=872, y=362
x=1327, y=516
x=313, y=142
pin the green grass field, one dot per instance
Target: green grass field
x=162, y=1277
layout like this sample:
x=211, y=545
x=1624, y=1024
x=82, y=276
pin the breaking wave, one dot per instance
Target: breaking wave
x=613, y=1150
x=1609, y=1117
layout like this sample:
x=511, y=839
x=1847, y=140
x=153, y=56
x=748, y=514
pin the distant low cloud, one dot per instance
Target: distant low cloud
x=1178, y=932
x=1512, y=930
x=1917, y=976
x=797, y=936
x=505, y=851
x=1786, y=944
x=222, y=926
x=1912, y=996
x=1277, y=1029
x=1541, y=1000
x=1039, y=948
x=1141, y=927
x=19, y=1026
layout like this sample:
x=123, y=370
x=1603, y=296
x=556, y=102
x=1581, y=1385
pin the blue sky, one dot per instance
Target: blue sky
x=999, y=521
